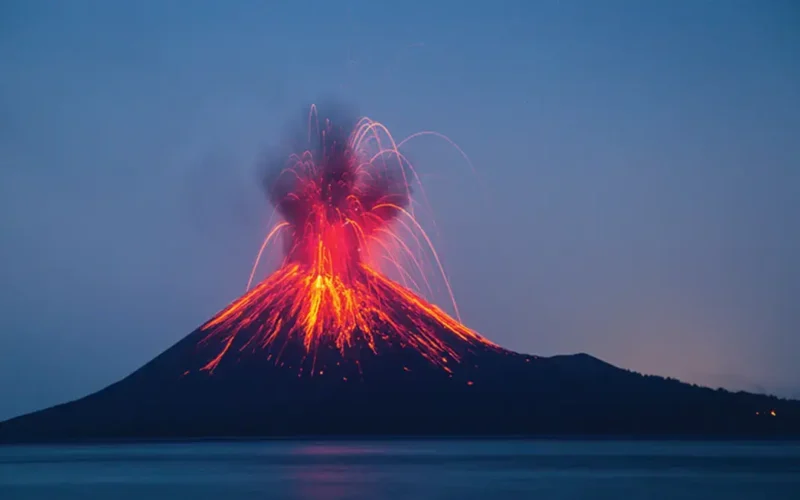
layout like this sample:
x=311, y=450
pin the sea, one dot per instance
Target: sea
x=404, y=469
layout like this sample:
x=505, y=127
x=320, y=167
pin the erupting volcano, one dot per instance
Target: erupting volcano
x=330, y=345
x=345, y=204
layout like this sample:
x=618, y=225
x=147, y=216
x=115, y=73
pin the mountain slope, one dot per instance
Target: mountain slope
x=491, y=391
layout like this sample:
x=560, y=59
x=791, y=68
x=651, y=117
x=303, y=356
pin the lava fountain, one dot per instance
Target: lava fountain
x=346, y=208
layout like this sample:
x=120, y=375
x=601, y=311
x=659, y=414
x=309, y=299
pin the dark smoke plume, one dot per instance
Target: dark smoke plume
x=324, y=169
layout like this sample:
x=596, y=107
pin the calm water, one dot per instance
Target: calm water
x=494, y=470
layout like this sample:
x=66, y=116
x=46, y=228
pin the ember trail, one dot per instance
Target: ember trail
x=347, y=213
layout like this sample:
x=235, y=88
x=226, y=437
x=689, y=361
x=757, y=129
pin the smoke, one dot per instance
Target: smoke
x=333, y=170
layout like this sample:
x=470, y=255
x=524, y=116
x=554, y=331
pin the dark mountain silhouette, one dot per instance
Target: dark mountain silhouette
x=490, y=392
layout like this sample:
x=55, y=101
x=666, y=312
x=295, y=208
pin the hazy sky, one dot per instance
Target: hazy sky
x=637, y=194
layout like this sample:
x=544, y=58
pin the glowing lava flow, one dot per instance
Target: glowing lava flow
x=346, y=205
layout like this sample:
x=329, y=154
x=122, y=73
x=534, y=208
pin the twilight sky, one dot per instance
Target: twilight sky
x=637, y=194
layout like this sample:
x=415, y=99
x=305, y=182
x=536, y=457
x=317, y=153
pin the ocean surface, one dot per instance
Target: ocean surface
x=494, y=470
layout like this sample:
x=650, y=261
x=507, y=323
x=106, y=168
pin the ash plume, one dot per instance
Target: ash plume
x=335, y=171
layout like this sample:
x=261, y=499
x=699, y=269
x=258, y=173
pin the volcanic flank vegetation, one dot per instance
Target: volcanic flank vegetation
x=328, y=345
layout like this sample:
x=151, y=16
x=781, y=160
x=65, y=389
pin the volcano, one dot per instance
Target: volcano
x=330, y=345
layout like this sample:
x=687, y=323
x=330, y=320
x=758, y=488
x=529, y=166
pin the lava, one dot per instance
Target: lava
x=347, y=213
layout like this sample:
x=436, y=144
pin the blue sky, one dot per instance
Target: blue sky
x=635, y=197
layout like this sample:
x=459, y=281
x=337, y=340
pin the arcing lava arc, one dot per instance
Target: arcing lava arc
x=345, y=202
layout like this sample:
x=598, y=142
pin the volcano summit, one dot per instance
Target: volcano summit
x=329, y=345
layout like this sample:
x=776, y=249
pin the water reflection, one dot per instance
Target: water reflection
x=326, y=479
x=403, y=469
x=325, y=449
